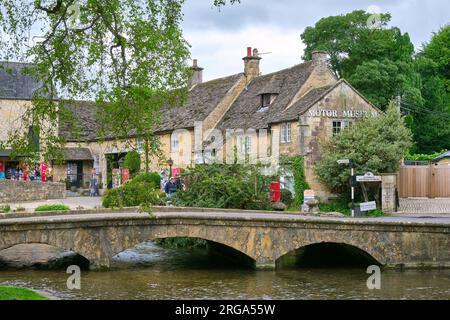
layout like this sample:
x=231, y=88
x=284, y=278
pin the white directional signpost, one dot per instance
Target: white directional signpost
x=349, y=162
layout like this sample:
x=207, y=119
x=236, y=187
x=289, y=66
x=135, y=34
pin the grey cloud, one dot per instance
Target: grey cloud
x=418, y=18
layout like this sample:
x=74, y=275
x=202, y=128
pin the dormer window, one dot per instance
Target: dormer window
x=265, y=102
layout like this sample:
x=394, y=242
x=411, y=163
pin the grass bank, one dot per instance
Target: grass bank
x=14, y=293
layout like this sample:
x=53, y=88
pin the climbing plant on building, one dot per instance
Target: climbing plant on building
x=295, y=165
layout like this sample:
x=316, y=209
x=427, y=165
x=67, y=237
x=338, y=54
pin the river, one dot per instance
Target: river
x=149, y=271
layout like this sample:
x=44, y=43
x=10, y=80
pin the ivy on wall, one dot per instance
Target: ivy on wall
x=297, y=167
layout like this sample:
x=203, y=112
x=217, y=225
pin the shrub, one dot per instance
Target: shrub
x=286, y=197
x=141, y=190
x=376, y=213
x=339, y=205
x=374, y=144
x=149, y=177
x=52, y=207
x=225, y=186
x=132, y=161
x=5, y=208
x=180, y=242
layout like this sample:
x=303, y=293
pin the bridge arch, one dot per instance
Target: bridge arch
x=330, y=252
x=227, y=254
x=327, y=254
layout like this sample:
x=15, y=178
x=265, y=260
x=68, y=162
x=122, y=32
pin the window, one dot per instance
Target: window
x=339, y=125
x=97, y=163
x=286, y=132
x=199, y=157
x=265, y=102
x=248, y=145
x=174, y=142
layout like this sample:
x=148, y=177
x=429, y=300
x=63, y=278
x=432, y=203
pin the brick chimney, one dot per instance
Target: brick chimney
x=197, y=74
x=251, y=63
x=320, y=59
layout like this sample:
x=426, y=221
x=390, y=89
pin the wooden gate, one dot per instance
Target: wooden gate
x=429, y=181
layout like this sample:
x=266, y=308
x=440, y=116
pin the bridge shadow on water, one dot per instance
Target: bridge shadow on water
x=182, y=253
x=326, y=255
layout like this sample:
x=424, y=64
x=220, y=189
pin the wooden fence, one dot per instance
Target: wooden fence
x=430, y=181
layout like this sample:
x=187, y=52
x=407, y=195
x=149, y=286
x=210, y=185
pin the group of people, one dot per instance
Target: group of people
x=21, y=173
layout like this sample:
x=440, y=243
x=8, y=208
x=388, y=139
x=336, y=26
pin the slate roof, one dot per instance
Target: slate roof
x=85, y=123
x=245, y=112
x=301, y=105
x=15, y=83
x=202, y=99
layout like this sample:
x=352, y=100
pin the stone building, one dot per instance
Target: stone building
x=285, y=113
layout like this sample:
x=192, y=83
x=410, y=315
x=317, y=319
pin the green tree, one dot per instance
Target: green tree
x=133, y=162
x=128, y=56
x=373, y=144
x=378, y=62
x=431, y=122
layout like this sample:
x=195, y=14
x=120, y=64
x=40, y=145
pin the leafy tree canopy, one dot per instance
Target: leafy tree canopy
x=128, y=56
x=431, y=123
x=376, y=61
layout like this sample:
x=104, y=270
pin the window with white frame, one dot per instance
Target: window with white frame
x=285, y=132
x=174, y=143
x=248, y=145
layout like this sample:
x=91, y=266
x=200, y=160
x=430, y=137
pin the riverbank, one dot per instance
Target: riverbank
x=16, y=293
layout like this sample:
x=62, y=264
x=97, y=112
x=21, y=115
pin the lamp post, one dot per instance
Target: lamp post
x=352, y=180
x=170, y=163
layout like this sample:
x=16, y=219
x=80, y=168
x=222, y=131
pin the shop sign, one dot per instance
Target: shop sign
x=330, y=113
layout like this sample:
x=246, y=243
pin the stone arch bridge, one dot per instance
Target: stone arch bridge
x=264, y=237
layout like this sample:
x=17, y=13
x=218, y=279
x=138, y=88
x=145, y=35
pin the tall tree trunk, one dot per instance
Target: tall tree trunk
x=146, y=156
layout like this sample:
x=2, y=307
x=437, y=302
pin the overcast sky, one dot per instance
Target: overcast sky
x=219, y=38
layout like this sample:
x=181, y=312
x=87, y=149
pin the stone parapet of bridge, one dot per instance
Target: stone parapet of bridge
x=262, y=237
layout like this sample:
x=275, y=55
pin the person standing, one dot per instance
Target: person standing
x=171, y=187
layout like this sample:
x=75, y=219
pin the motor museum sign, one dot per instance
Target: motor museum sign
x=330, y=113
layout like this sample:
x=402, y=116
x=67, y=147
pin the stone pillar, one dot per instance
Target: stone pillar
x=302, y=128
x=388, y=187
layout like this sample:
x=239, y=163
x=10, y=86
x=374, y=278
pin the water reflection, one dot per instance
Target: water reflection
x=151, y=272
